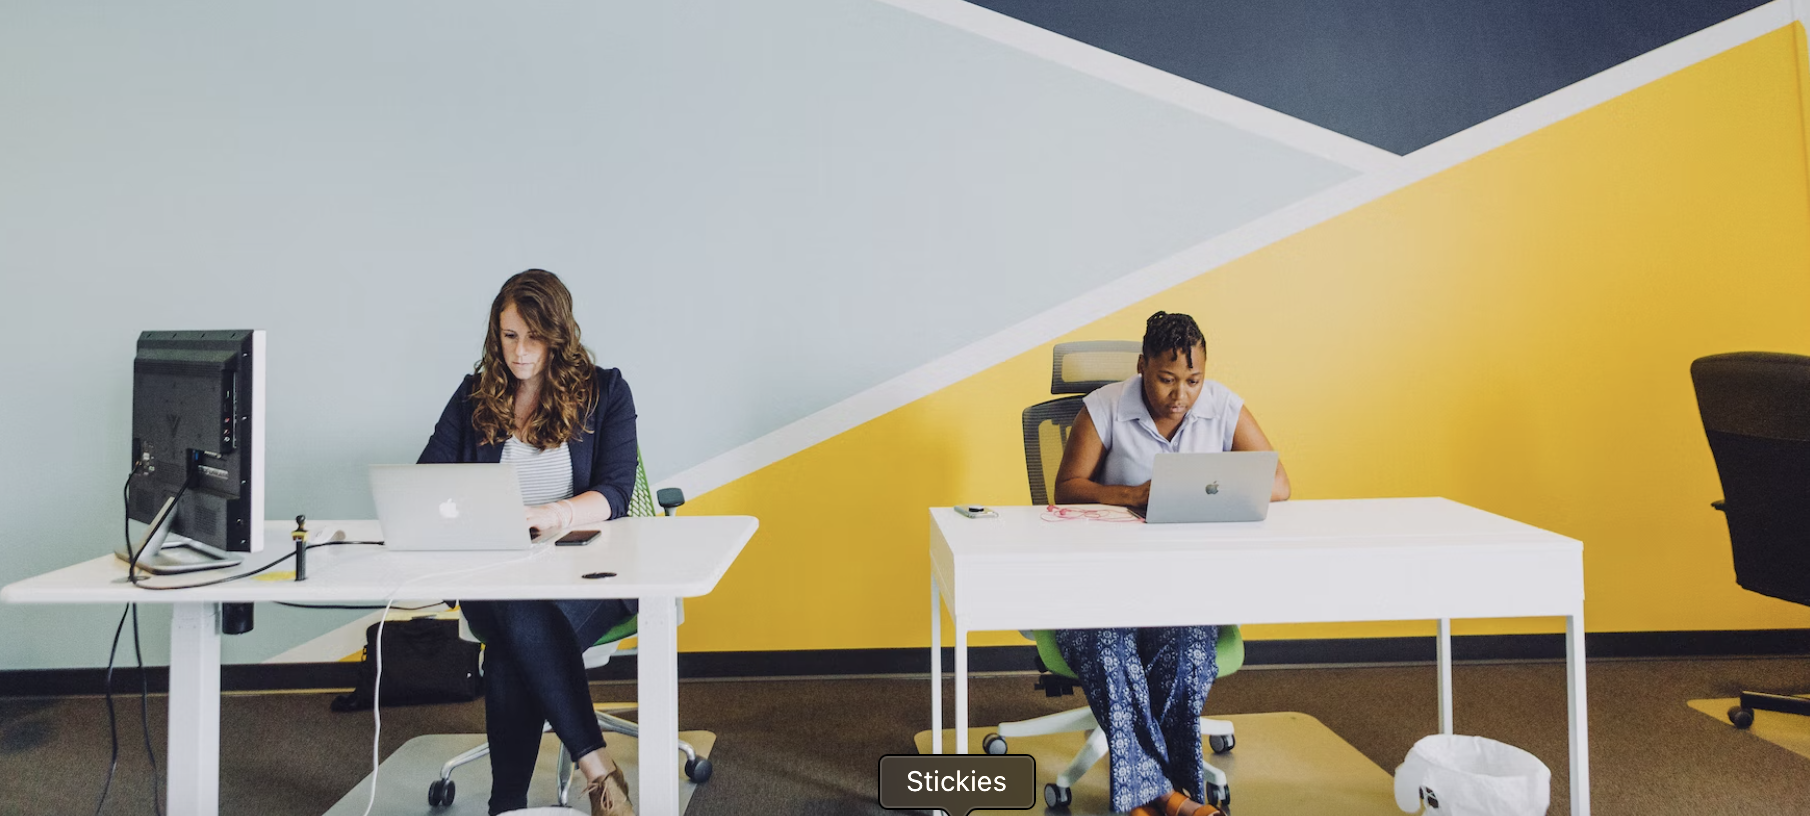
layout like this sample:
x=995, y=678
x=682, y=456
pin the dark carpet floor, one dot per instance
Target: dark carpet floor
x=812, y=746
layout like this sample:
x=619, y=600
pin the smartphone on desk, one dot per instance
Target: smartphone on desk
x=975, y=511
x=576, y=538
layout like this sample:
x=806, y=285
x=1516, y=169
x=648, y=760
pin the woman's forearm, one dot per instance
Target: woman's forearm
x=589, y=507
x=585, y=509
x=1088, y=491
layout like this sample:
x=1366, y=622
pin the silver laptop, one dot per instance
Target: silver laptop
x=1194, y=487
x=450, y=507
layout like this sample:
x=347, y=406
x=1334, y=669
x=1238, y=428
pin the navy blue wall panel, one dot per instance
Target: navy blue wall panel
x=1399, y=74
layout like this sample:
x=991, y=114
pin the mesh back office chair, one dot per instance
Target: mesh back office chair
x=1756, y=413
x=441, y=791
x=1076, y=370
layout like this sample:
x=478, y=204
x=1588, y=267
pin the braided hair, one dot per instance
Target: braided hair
x=1165, y=332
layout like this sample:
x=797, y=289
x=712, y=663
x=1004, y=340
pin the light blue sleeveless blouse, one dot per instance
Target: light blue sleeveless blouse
x=1130, y=437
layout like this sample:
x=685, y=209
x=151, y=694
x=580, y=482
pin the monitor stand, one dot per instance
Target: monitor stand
x=160, y=556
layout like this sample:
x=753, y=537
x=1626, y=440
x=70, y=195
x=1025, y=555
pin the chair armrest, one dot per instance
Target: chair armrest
x=670, y=498
x=1720, y=505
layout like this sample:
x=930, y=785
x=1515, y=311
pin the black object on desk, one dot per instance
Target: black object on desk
x=577, y=538
x=300, y=536
x=1756, y=412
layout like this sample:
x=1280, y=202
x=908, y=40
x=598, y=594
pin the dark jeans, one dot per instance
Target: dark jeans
x=534, y=674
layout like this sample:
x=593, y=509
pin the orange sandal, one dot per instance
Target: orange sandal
x=1174, y=803
x=1178, y=804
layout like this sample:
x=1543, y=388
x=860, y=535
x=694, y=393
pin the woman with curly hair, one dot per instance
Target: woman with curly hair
x=1146, y=686
x=538, y=401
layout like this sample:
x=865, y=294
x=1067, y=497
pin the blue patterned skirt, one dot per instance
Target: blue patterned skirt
x=1147, y=687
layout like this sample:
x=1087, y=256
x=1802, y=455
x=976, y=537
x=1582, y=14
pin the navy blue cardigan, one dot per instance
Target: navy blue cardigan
x=604, y=455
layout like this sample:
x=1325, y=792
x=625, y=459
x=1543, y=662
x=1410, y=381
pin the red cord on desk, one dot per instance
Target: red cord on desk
x=1055, y=513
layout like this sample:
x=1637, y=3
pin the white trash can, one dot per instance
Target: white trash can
x=1472, y=776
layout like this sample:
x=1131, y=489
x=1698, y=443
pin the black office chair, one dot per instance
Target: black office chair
x=1756, y=412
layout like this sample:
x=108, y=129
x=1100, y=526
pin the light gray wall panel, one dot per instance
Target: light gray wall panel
x=762, y=209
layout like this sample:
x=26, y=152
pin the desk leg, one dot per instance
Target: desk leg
x=961, y=689
x=657, y=685
x=936, y=670
x=1580, y=716
x=1445, y=676
x=193, y=756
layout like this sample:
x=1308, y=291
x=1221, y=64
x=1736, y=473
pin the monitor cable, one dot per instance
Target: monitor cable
x=242, y=575
x=144, y=714
x=112, y=721
x=132, y=575
x=144, y=683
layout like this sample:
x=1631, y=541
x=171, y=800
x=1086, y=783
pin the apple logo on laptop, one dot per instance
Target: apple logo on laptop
x=1212, y=488
x=449, y=509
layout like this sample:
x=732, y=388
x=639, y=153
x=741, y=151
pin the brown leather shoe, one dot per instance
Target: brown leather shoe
x=609, y=795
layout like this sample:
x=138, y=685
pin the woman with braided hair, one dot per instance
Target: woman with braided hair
x=1146, y=686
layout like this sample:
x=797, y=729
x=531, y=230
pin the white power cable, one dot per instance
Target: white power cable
x=377, y=684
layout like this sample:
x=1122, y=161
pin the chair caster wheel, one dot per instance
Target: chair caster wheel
x=1740, y=717
x=440, y=793
x=1057, y=798
x=1222, y=745
x=698, y=770
x=1220, y=796
x=993, y=744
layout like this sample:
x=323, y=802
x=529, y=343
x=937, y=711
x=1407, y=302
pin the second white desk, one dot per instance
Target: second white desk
x=1310, y=561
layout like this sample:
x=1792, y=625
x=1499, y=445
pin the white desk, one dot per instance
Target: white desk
x=1310, y=561
x=656, y=560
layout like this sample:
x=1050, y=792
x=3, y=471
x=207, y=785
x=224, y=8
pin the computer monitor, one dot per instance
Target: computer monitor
x=197, y=448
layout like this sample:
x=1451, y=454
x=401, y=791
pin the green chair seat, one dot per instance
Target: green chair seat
x=626, y=629
x=1229, y=651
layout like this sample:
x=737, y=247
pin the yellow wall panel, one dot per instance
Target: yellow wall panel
x=1514, y=333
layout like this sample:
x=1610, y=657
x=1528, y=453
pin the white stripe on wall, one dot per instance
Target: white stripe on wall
x=1156, y=83
x=331, y=647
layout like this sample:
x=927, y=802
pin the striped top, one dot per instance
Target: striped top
x=545, y=475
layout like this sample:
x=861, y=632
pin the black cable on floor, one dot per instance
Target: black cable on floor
x=144, y=712
x=144, y=683
x=112, y=721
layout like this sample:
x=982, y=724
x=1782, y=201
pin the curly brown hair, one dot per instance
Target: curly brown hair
x=569, y=388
